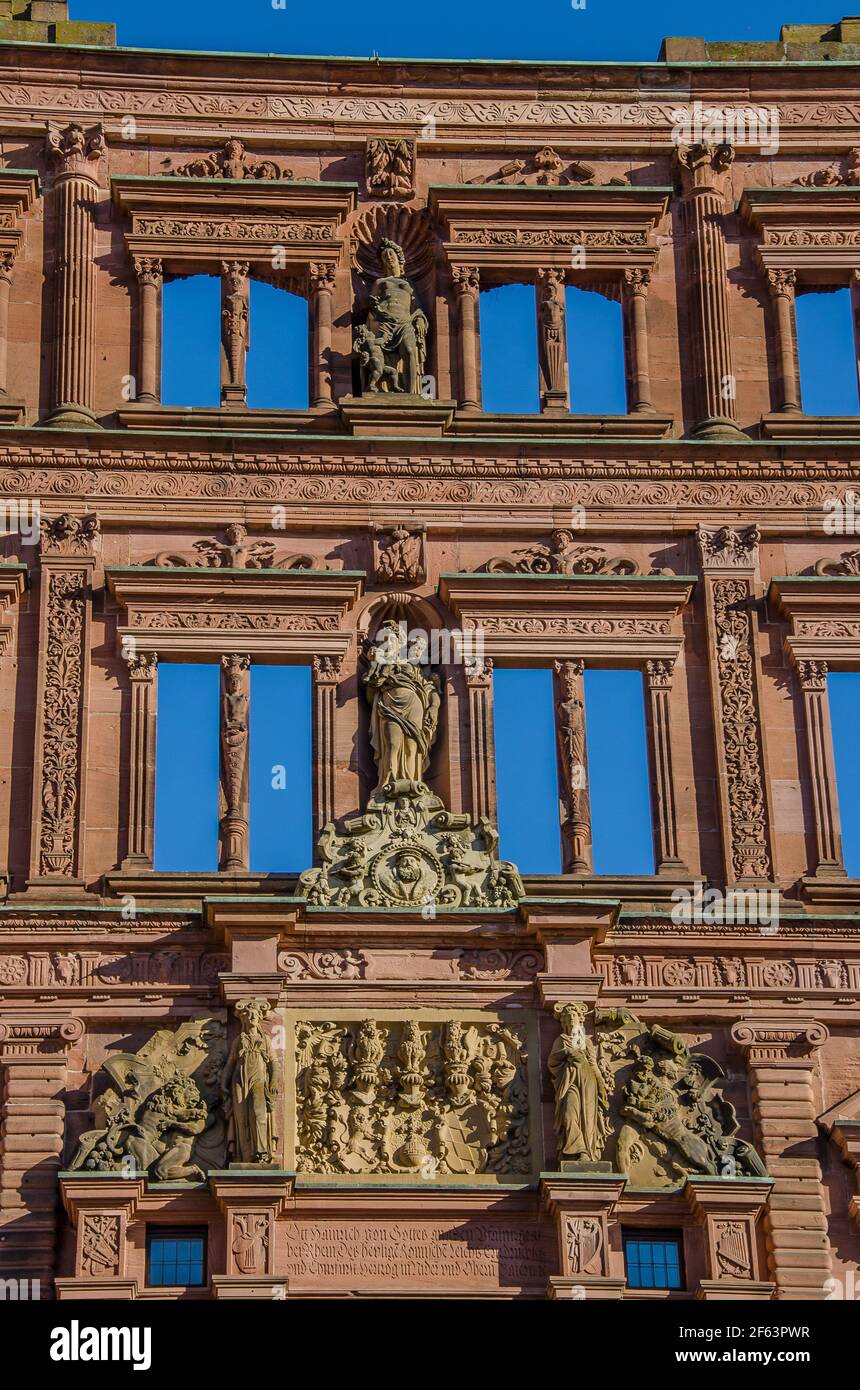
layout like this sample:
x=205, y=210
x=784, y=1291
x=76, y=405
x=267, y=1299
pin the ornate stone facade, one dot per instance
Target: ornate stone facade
x=411, y=1067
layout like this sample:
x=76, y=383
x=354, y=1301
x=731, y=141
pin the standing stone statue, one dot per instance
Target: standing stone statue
x=405, y=698
x=391, y=347
x=249, y=1089
x=581, y=1099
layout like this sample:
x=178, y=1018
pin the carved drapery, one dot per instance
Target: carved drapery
x=467, y=284
x=326, y=673
x=67, y=562
x=812, y=676
x=148, y=270
x=781, y=284
x=658, y=682
x=573, y=765
x=234, y=331
x=553, y=339
x=482, y=743
x=729, y=559
x=702, y=206
x=235, y=729
x=780, y=1056
x=634, y=297
x=76, y=156
x=143, y=679
x=322, y=281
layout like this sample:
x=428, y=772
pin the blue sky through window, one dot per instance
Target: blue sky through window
x=186, y=767
x=509, y=360
x=281, y=809
x=191, y=341
x=844, y=691
x=621, y=828
x=278, y=356
x=526, y=769
x=595, y=353
x=825, y=347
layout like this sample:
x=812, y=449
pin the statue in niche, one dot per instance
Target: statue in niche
x=391, y=346
x=405, y=698
x=249, y=1089
x=581, y=1099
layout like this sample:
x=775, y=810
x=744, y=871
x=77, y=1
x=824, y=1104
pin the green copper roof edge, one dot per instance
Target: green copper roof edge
x=814, y=578
x=225, y=569
x=35, y=909
x=779, y=64
x=577, y=578
x=220, y=183
x=554, y=188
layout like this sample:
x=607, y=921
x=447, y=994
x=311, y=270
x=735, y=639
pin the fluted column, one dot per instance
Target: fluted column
x=658, y=680
x=143, y=678
x=780, y=1054
x=322, y=281
x=482, y=740
x=573, y=765
x=150, y=279
x=781, y=284
x=235, y=776
x=7, y=261
x=702, y=209
x=327, y=671
x=635, y=285
x=552, y=322
x=467, y=284
x=76, y=156
x=234, y=332
x=822, y=769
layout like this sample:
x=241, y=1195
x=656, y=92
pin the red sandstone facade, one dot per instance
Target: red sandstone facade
x=709, y=568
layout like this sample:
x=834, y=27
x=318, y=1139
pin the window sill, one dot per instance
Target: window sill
x=184, y=885
x=565, y=425
x=235, y=419
x=791, y=424
x=831, y=889
x=643, y=891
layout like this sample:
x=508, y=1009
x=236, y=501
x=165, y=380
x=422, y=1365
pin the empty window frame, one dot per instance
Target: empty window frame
x=619, y=782
x=509, y=350
x=827, y=352
x=595, y=353
x=527, y=769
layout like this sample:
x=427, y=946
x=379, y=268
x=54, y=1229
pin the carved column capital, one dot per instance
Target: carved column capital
x=779, y=1042
x=702, y=166
x=659, y=674
x=728, y=549
x=142, y=666
x=781, y=283
x=69, y=535
x=75, y=151
x=38, y=1038
x=479, y=674
x=149, y=272
x=551, y=278
x=636, y=281
x=235, y=272
x=327, y=669
x=7, y=263
x=321, y=277
x=812, y=675
x=467, y=281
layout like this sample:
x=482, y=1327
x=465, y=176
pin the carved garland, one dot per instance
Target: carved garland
x=63, y=700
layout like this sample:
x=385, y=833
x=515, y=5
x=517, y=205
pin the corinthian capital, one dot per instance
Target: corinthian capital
x=467, y=281
x=75, y=150
x=702, y=166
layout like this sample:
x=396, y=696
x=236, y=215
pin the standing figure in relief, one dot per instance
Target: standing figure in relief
x=249, y=1088
x=581, y=1099
x=396, y=323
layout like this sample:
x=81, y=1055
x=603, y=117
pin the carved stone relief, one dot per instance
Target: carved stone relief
x=399, y=555
x=390, y=168
x=236, y=551
x=562, y=556
x=232, y=162
x=634, y=1095
x=100, y=1244
x=408, y=1096
x=160, y=1113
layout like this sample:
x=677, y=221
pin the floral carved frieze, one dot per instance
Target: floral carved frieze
x=323, y=965
x=239, y=622
x=412, y=1095
x=65, y=658
x=91, y=969
x=232, y=229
